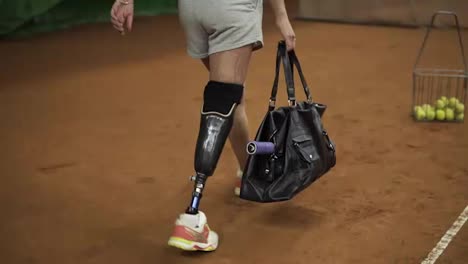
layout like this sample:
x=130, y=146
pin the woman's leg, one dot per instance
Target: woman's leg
x=239, y=136
x=222, y=95
x=210, y=33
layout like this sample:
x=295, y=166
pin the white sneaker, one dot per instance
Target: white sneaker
x=192, y=233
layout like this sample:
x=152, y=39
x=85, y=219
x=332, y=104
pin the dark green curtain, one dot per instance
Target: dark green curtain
x=20, y=18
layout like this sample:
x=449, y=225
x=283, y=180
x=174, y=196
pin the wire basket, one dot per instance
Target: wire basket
x=439, y=95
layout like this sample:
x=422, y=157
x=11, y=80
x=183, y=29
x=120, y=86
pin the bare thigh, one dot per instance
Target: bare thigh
x=206, y=62
x=230, y=66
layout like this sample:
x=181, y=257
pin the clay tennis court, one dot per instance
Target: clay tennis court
x=98, y=134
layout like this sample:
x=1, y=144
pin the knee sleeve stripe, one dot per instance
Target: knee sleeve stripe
x=221, y=97
x=219, y=113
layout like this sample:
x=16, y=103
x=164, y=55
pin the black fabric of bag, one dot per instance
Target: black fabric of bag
x=303, y=150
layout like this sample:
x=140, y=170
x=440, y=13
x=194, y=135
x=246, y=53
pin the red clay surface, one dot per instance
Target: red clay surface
x=98, y=133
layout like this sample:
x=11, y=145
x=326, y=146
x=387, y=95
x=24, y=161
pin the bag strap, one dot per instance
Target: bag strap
x=295, y=61
x=289, y=60
x=288, y=75
x=282, y=56
x=274, y=90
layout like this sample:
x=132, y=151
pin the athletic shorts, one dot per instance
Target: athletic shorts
x=213, y=26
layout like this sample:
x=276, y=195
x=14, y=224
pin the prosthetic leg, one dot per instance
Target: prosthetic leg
x=192, y=232
x=217, y=115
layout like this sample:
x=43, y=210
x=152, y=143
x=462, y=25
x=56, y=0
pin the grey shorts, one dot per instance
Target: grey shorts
x=213, y=26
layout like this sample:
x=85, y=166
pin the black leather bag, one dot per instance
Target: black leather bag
x=303, y=151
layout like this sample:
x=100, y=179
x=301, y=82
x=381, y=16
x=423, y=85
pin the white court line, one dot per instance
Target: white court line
x=445, y=240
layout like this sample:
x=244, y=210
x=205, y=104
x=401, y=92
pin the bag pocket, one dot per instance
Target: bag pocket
x=304, y=147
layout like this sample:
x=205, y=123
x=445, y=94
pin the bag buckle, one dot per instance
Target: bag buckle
x=272, y=103
x=292, y=103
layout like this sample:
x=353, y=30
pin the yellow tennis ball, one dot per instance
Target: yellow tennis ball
x=430, y=114
x=460, y=108
x=449, y=114
x=452, y=102
x=420, y=114
x=440, y=114
x=444, y=98
x=440, y=104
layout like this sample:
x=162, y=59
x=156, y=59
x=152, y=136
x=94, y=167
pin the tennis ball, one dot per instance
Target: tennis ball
x=440, y=114
x=440, y=104
x=444, y=98
x=420, y=114
x=460, y=117
x=452, y=102
x=426, y=107
x=449, y=114
x=460, y=108
x=430, y=114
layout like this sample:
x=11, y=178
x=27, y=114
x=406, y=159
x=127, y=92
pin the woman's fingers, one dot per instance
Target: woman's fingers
x=129, y=22
x=122, y=16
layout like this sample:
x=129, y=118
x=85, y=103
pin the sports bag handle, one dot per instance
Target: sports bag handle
x=295, y=61
x=282, y=57
x=289, y=60
x=274, y=89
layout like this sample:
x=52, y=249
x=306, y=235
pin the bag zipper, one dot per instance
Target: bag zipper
x=298, y=150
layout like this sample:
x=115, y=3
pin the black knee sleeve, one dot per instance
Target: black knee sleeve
x=219, y=97
x=219, y=104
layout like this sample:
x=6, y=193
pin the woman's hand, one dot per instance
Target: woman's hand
x=286, y=30
x=283, y=23
x=122, y=15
